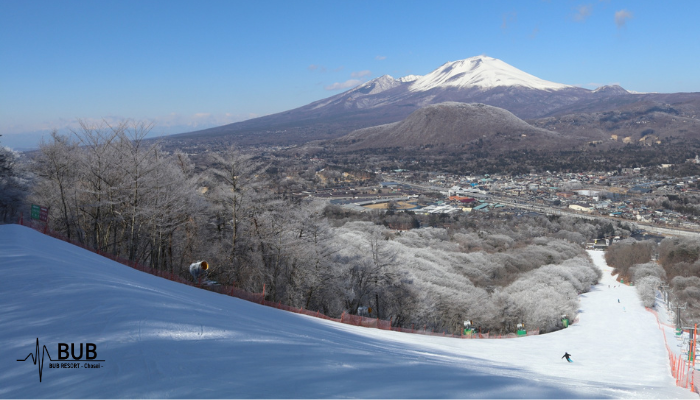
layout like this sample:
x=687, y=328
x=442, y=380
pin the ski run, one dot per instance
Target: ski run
x=163, y=339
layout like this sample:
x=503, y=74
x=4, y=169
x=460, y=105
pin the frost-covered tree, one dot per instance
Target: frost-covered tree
x=623, y=255
x=56, y=166
x=640, y=271
x=687, y=291
x=13, y=184
x=646, y=288
x=674, y=251
x=112, y=190
x=232, y=190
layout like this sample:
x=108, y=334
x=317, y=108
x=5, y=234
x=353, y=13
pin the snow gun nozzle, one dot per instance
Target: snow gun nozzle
x=205, y=266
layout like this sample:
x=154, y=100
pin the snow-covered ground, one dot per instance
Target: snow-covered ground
x=163, y=339
x=678, y=344
x=480, y=71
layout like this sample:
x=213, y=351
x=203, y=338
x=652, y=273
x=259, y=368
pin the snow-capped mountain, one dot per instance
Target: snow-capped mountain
x=476, y=72
x=482, y=72
x=387, y=99
x=611, y=90
x=472, y=75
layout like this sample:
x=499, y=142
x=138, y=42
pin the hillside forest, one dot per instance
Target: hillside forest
x=110, y=189
x=671, y=267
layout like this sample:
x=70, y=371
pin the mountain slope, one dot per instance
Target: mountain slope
x=482, y=72
x=641, y=122
x=455, y=126
x=386, y=99
x=163, y=339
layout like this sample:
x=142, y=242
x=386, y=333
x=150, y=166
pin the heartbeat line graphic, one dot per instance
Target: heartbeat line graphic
x=65, y=362
x=35, y=357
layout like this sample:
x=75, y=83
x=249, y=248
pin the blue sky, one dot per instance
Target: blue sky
x=193, y=64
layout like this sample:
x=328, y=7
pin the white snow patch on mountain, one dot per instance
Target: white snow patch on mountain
x=163, y=339
x=482, y=72
x=409, y=78
x=377, y=85
x=616, y=89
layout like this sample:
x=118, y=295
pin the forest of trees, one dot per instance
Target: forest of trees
x=483, y=160
x=13, y=184
x=110, y=189
x=678, y=269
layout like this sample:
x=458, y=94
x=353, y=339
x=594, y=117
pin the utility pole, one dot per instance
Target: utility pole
x=695, y=345
x=692, y=341
x=678, y=316
x=377, y=303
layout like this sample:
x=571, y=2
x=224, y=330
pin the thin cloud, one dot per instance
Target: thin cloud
x=360, y=74
x=380, y=58
x=339, y=69
x=535, y=32
x=201, y=120
x=583, y=12
x=343, y=85
x=509, y=19
x=314, y=67
x=621, y=18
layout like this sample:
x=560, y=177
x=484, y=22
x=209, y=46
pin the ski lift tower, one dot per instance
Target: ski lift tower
x=692, y=351
x=679, y=329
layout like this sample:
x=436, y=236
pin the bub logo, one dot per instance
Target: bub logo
x=77, y=362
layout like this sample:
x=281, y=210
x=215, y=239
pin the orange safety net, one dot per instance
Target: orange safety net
x=682, y=369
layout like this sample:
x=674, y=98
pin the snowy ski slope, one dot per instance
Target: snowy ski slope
x=163, y=339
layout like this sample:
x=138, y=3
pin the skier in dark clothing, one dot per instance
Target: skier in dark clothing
x=567, y=355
